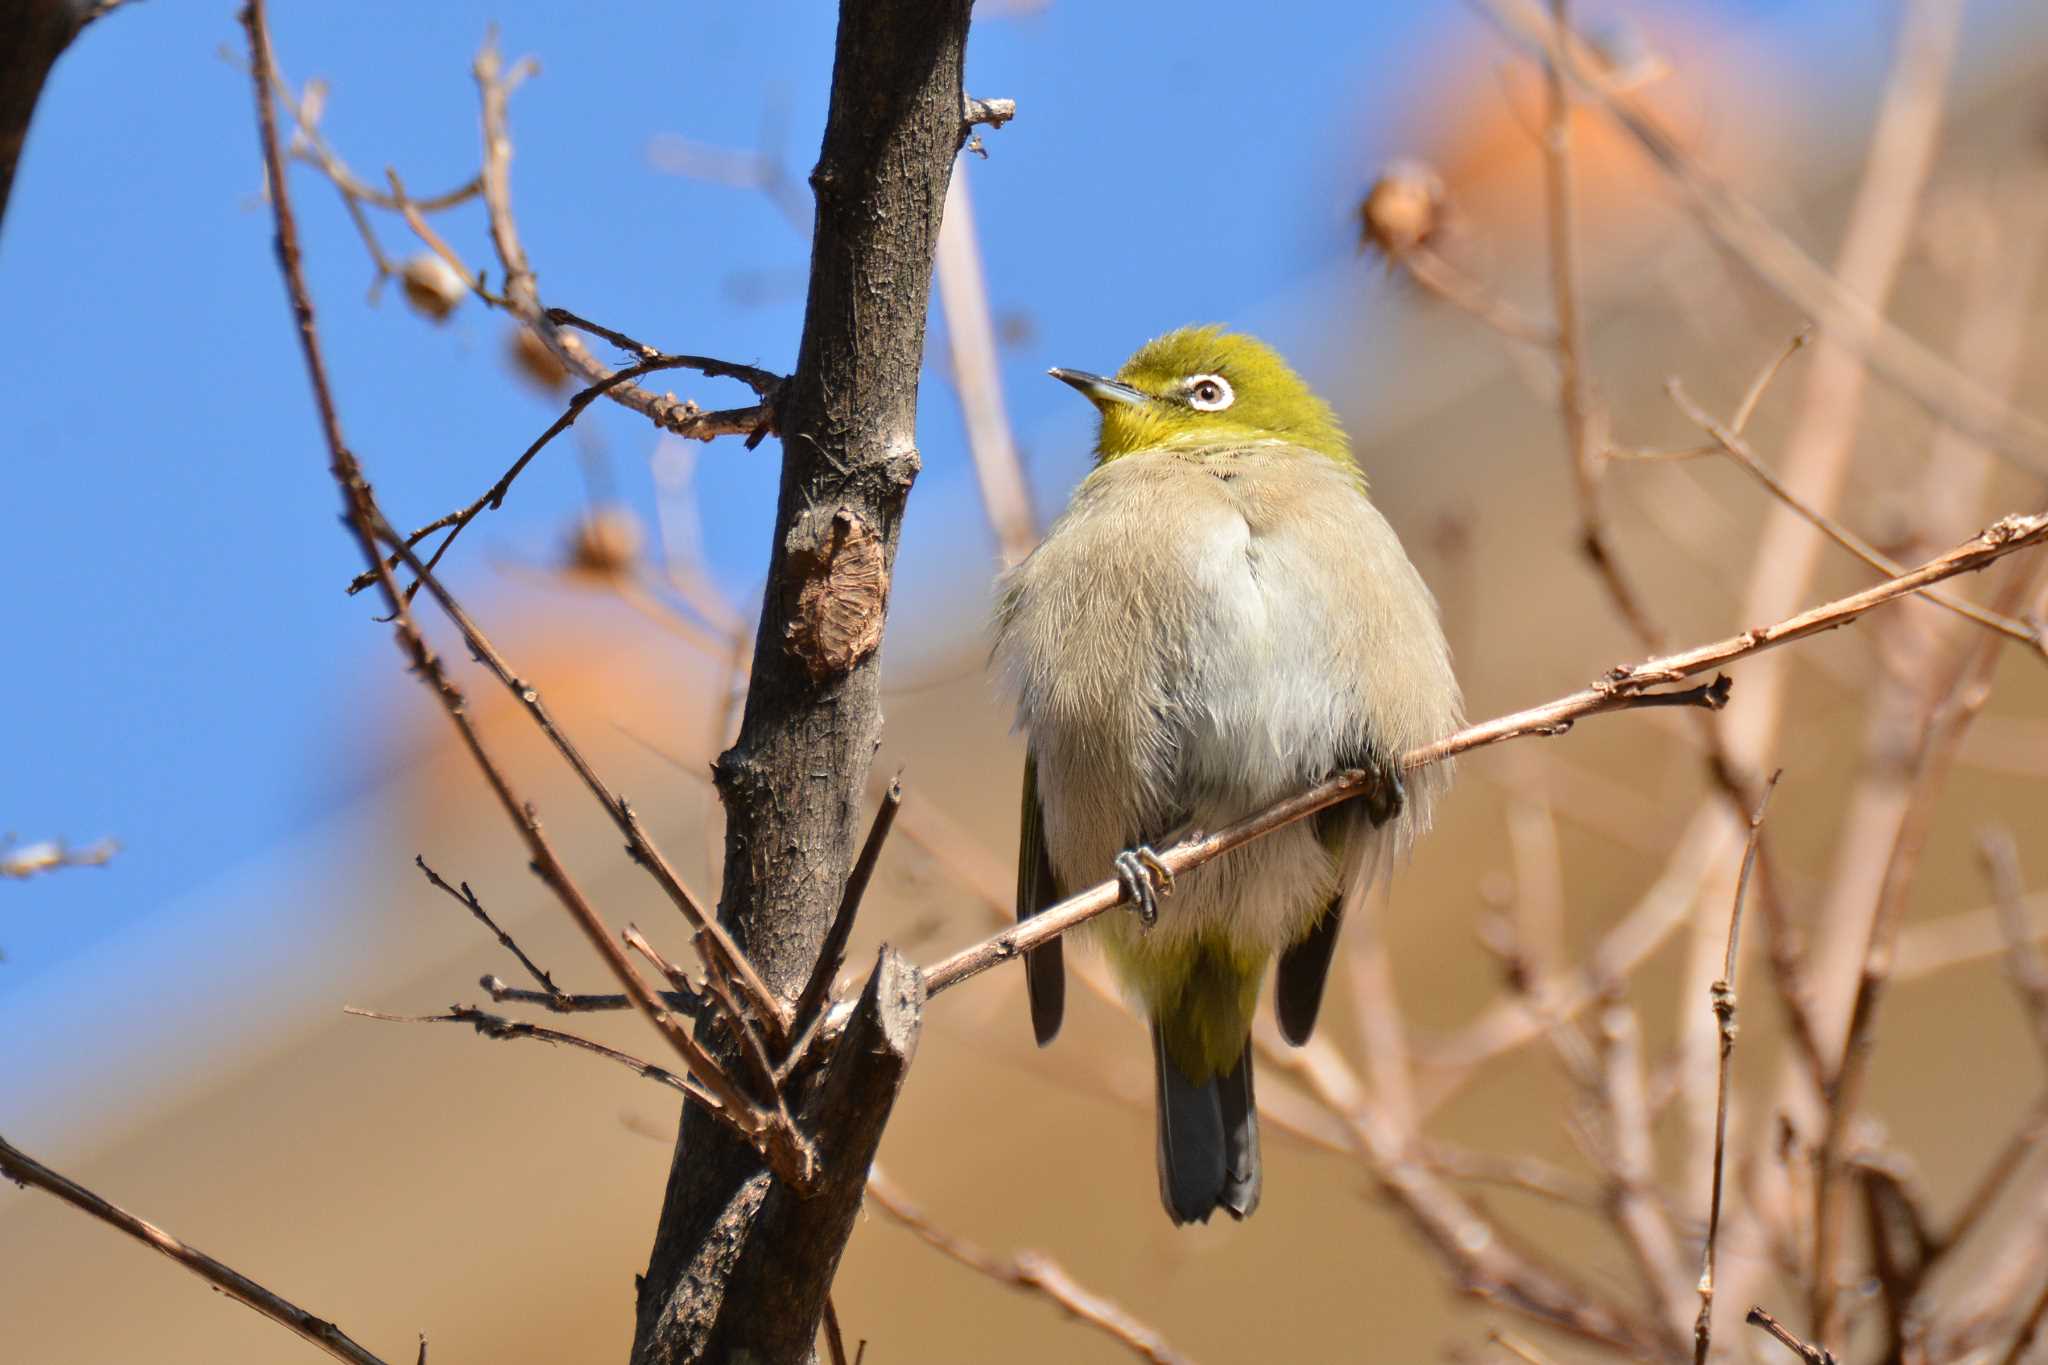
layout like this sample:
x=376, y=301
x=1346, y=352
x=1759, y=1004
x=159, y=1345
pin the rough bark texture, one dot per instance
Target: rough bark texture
x=33, y=34
x=740, y=1268
x=753, y=1287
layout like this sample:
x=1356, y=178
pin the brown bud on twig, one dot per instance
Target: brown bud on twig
x=431, y=286
x=1403, y=209
x=535, y=363
x=606, y=542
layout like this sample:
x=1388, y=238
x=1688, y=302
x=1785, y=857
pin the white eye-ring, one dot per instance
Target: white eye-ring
x=1209, y=393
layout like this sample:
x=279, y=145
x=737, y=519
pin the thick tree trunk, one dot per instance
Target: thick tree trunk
x=740, y=1265
x=33, y=34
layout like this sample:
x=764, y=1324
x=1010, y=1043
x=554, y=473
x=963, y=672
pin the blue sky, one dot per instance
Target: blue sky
x=187, y=676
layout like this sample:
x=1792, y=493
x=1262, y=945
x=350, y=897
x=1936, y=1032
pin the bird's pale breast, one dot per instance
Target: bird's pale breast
x=1199, y=635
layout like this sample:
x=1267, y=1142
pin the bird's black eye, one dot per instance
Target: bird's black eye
x=1209, y=393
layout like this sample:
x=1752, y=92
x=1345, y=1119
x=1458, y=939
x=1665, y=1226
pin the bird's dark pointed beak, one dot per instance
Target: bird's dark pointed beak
x=1097, y=389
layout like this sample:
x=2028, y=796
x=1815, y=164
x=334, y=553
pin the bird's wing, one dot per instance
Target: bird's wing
x=1356, y=832
x=1045, y=975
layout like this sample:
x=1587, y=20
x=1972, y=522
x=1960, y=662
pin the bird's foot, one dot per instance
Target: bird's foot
x=1144, y=878
x=1386, y=796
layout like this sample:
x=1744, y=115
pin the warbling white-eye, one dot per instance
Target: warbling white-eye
x=1220, y=618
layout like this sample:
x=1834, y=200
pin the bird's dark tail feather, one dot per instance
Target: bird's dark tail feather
x=1208, y=1139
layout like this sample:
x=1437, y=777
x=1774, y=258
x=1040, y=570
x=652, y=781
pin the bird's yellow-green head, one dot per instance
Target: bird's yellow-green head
x=1204, y=386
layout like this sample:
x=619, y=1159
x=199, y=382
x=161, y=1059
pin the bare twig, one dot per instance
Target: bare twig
x=570, y=1002
x=791, y=1155
x=670, y=972
x=519, y=296
x=1953, y=704
x=494, y=88
x=732, y=1017
x=1788, y=971
x=1510, y=1022
x=1516, y=1347
x=2023, y=1340
x=1521, y=1172
x=24, y=1169
x=1875, y=240
x=712, y=936
x=1485, y=1263
x=1581, y=420
x=1846, y=312
x=835, y=1341
x=1743, y=412
x=1944, y=942
x=1437, y=276
x=971, y=342
x=1991, y=1187
x=414, y=213
x=19, y=862
x=1538, y=909
x=1902, y=1249
x=310, y=146
x=1812, y=1355
x=756, y=420
x=2025, y=963
x=522, y=295
x=2007, y=1280
x=1630, y=1159
x=639, y=350
x=1728, y=771
x=1026, y=1270
x=1382, y=1031
x=1724, y=1004
x=1729, y=442
x=497, y=1026
x=1403, y=215
x=1622, y=688
x=467, y=899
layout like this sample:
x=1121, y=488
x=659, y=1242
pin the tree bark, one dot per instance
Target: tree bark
x=33, y=34
x=740, y=1266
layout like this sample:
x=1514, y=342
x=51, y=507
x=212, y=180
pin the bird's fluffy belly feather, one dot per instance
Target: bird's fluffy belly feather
x=1194, y=684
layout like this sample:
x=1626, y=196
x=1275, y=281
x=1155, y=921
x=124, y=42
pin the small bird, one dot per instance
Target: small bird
x=1220, y=618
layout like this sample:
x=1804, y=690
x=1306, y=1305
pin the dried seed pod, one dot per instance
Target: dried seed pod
x=1403, y=209
x=534, y=362
x=431, y=286
x=606, y=542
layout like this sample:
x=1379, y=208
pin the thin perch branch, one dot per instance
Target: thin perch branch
x=1623, y=688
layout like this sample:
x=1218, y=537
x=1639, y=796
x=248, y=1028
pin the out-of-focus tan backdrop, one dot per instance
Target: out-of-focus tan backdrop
x=499, y=1197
